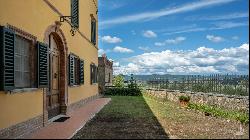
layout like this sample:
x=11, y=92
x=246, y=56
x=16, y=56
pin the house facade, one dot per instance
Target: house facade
x=48, y=61
x=105, y=72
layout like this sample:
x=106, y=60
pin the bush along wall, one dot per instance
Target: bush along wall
x=123, y=91
x=220, y=112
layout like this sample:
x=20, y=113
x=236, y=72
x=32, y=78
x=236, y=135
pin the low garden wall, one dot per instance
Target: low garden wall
x=219, y=100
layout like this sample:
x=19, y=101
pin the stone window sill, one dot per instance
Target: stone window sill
x=23, y=90
x=75, y=86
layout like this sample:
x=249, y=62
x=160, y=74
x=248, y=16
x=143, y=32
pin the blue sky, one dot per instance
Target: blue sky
x=175, y=36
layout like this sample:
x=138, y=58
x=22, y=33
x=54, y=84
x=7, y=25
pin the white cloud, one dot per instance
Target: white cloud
x=215, y=39
x=235, y=37
x=109, y=39
x=149, y=34
x=175, y=41
x=195, y=29
x=122, y=50
x=228, y=16
x=160, y=13
x=111, y=5
x=160, y=44
x=203, y=60
x=116, y=64
x=228, y=24
x=220, y=17
x=100, y=52
x=130, y=68
x=144, y=48
x=216, y=26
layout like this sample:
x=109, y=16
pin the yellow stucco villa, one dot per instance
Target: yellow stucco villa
x=48, y=61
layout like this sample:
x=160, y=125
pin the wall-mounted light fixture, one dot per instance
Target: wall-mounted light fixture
x=73, y=20
x=69, y=18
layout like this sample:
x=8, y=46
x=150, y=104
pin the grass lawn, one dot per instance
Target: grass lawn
x=128, y=117
x=190, y=124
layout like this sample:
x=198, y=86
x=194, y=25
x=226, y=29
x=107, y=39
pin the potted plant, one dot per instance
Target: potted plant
x=184, y=100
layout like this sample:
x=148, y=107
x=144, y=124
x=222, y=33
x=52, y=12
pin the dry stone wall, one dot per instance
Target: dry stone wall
x=219, y=100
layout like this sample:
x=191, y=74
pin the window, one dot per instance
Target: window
x=24, y=63
x=109, y=78
x=19, y=65
x=76, y=70
x=93, y=31
x=93, y=73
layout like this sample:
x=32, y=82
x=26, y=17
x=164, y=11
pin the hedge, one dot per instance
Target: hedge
x=123, y=91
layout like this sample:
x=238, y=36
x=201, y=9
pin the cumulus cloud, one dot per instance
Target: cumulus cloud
x=149, y=34
x=215, y=39
x=102, y=51
x=109, y=39
x=203, y=60
x=122, y=50
x=176, y=40
x=116, y=64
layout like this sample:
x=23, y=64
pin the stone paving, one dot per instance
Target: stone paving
x=67, y=129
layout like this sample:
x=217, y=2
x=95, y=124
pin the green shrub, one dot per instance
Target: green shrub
x=123, y=91
x=118, y=81
x=184, y=98
x=219, y=112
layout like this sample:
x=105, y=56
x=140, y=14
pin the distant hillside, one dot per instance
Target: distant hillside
x=173, y=77
x=154, y=76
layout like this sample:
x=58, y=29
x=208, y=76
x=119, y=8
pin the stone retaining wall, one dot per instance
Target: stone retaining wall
x=220, y=100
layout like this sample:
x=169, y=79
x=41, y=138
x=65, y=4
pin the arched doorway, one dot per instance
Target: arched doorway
x=53, y=94
x=55, y=98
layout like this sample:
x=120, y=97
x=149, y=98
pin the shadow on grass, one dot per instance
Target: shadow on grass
x=125, y=117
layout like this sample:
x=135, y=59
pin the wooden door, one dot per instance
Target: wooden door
x=53, y=95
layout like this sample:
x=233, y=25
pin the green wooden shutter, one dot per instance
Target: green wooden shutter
x=42, y=65
x=96, y=74
x=81, y=72
x=71, y=70
x=7, y=44
x=94, y=32
x=91, y=73
x=75, y=13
